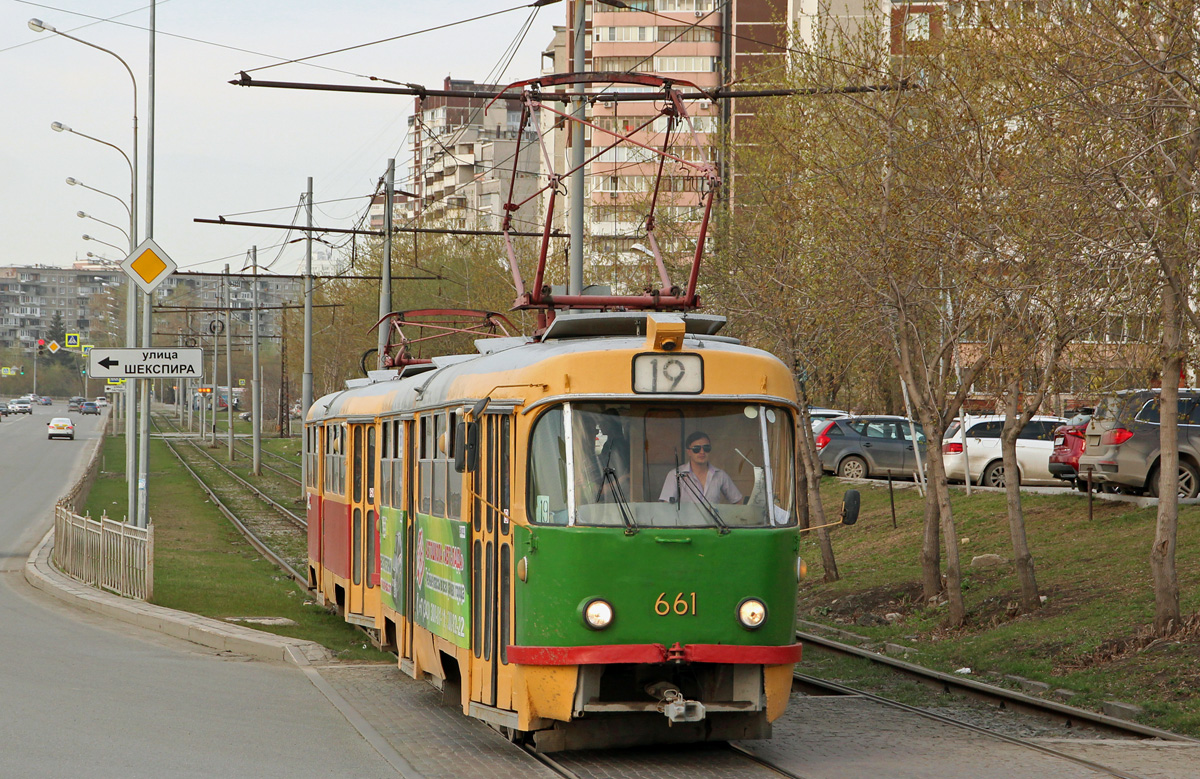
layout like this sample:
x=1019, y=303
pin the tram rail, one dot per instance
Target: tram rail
x=834, y=688
x=280, y=539
x=1069, y=716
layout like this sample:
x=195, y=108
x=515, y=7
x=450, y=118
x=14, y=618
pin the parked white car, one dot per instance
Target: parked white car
x=1034, y=447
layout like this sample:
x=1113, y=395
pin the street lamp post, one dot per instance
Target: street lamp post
x=37, y=25
x=87, y=237
x=82, y=215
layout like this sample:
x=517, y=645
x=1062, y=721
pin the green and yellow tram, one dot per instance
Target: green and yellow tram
x=531, y=527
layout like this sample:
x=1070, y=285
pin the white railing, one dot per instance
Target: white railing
x=104, y=553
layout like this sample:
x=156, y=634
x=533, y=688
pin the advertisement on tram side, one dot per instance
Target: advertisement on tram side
x=441, y=578
x=391, y=557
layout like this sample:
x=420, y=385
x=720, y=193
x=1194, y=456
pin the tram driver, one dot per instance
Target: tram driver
x=698, y=477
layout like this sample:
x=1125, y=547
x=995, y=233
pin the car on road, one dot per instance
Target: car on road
x=1069, y=443
x=60, y=427
x=45, y=401
x=101, y=402
x=864, y=446
x=1035, y=442
x=1123, y=442
x=20, y=406
x=88, y=407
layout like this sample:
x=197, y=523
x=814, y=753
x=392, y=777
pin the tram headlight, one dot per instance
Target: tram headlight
x=598, y=614
x=752, y=613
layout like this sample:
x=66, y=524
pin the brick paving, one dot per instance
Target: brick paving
x=438, y=740
x=848, y=738
x=688, y=761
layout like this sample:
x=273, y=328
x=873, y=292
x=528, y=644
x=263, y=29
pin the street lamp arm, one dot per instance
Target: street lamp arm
x=82, y=215
x=77, y=183
x=60, y=127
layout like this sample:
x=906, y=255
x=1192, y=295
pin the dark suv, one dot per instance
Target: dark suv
x=858, y=447
x=1122, y=442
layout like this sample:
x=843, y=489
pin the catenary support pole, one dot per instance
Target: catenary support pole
x=575, y=279
x=306, y=386
x=229, y=358
x=255, y=384
x=385, y=270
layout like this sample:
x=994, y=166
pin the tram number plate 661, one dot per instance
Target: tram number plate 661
x=663, y=373
x=684, y=604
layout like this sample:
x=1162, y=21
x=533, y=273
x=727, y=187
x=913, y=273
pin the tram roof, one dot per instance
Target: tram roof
x=431, y=385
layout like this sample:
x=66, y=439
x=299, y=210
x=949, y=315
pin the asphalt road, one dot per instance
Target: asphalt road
x=82, y=696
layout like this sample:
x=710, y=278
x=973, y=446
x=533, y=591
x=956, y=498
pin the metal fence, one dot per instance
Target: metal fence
x=104, y=553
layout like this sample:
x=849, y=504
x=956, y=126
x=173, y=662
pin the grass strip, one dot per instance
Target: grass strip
x=1090, y=636
x=202, y=564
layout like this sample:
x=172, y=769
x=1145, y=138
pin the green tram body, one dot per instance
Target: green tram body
x=480, y=579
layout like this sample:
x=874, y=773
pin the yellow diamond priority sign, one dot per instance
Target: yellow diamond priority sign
x=148, y=265
x=54, y=347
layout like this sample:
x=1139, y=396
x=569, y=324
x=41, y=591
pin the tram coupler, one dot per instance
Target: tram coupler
x=675, y=707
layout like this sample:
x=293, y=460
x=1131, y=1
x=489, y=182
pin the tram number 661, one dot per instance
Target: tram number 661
x=681, y=605
x=660, y=373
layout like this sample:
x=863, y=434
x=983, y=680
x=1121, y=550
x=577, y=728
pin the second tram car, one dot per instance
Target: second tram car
x=585, y=538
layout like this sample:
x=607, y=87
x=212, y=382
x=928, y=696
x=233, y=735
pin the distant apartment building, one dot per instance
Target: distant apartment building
x=460, y=157
x=32, y=296
x=90, y=300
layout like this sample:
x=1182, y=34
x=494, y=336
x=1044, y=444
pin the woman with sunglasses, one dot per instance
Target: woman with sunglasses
x=699, y=477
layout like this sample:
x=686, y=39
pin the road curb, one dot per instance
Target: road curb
x=41, y=574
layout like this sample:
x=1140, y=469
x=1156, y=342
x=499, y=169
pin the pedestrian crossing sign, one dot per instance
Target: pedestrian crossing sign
x=72, y=340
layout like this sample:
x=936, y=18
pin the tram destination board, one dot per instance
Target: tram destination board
x=151, y=363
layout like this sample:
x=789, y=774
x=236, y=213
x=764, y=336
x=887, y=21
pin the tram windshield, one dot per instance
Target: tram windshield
x=637, y=465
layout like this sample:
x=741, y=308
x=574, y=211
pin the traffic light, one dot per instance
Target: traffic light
x=41, y=346
x=22, y=370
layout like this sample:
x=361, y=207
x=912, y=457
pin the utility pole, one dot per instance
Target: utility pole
x=385, y=271
x=215, y=329
x=575, y=280
x=143, y=512
x=255, y=385
x=306, y=386
x=229, y=356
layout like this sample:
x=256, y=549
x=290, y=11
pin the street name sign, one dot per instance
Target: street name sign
x=148, y=265
x=150, y=363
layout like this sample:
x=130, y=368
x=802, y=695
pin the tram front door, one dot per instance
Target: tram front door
x=492, y=565
x=364, y=524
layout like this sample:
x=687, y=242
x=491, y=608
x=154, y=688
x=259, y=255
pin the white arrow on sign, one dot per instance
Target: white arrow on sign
x=144, y=363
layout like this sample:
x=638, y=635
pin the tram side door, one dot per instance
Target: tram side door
x=492, y=565
x=364, y=523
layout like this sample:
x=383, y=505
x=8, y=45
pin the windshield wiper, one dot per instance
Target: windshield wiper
x=610, y=478
x=689, y=479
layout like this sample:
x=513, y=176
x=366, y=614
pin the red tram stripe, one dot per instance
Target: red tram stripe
x=653, y=653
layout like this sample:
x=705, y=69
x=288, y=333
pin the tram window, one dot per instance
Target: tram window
x=372, y=555
x=633, y=463
x=356, y=564
x=505, y=425
x=398, y=465
x=371, y=461
x=426, y=468
x=454, y=479
x=548, y=470
x=358, y=463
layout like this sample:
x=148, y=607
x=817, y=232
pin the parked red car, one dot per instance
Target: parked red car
x=1069, y=443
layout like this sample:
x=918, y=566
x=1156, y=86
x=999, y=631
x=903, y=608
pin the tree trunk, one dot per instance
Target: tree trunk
x=957, y=614
x=812, y=480
x=1022, y=558
x=1162, y=554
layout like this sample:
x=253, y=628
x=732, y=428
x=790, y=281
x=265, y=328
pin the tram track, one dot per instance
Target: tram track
x=275, y=532
x=1011, y=700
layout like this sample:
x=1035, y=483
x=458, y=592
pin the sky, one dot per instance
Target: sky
x=222, y=149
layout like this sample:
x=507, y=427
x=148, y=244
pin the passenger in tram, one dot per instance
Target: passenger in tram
x=699, y=477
